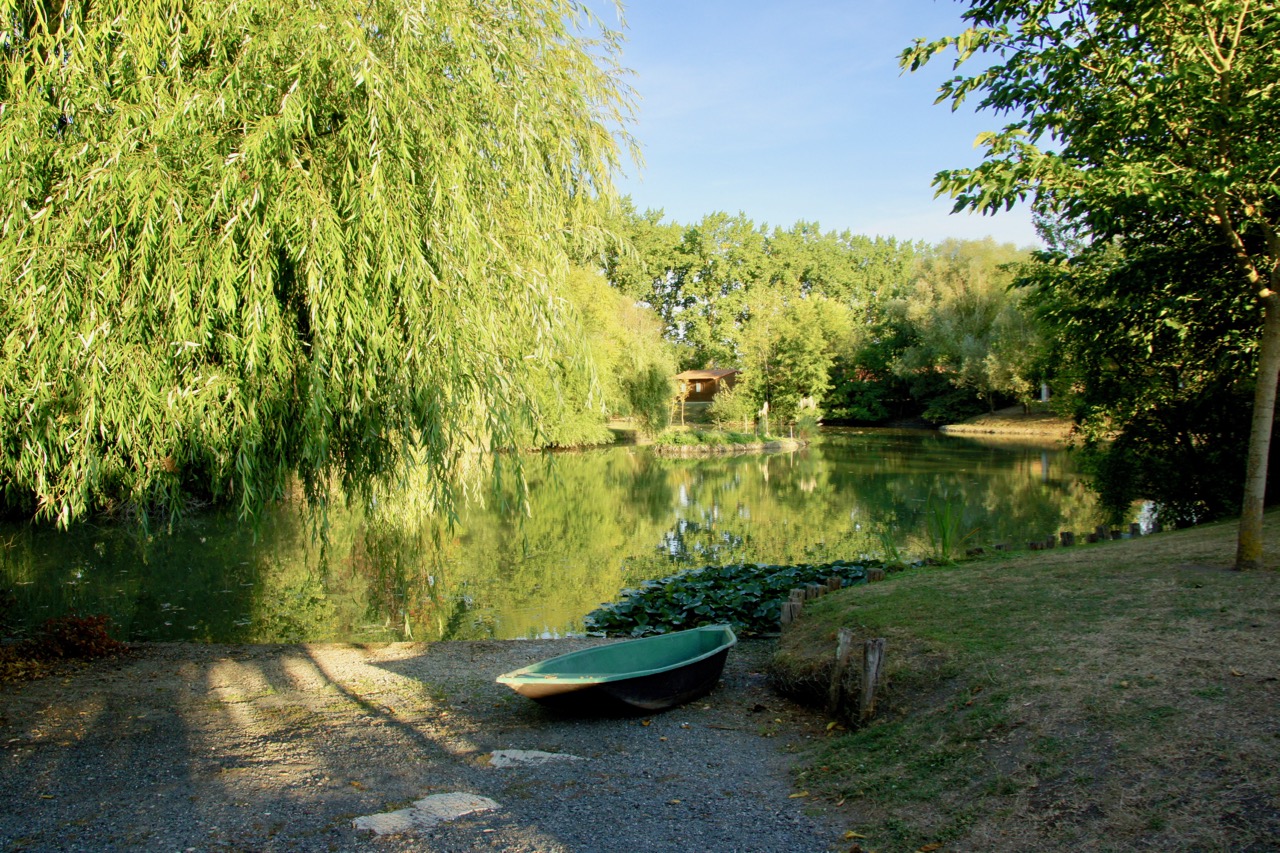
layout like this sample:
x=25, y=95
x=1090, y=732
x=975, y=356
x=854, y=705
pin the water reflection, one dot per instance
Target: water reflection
x=600, y=521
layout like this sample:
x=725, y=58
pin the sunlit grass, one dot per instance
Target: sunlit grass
x=1059, y=698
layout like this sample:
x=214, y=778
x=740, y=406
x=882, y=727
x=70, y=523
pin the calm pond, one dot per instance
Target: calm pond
x=601, y=520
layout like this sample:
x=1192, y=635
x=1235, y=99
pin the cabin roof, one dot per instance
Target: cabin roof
x=712, y=373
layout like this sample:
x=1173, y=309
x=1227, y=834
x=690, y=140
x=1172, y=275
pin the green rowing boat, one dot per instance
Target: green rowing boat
x=649, y=674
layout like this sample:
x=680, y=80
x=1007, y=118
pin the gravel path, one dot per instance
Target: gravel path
x=184, y=747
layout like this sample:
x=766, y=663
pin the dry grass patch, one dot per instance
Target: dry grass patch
x=1112, y=697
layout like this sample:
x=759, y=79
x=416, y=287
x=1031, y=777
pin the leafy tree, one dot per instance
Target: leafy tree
x=731, y=409
x=650, y=392
x=1154, y=348
x=968, y=322
x=702, y=279
x=723, y=261
x=643, y=263
x=617, y=364
x=247, y=241
x=1125, y=111
x=788, y=348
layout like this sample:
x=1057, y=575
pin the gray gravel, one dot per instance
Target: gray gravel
x=185, y=747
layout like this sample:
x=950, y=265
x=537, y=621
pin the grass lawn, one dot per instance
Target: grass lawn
x=1117, y=696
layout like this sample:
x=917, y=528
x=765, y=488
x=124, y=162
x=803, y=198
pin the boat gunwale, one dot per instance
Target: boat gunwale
x=526, y=675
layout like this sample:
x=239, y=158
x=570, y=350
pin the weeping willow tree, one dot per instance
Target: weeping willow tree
x=246, y=243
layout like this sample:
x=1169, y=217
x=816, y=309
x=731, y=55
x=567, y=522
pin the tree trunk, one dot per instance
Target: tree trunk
x=1249, y=541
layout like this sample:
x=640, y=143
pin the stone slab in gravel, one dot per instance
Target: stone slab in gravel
x=191, y=747
x=425, y=814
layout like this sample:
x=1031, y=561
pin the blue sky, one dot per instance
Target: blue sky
x=797, y=110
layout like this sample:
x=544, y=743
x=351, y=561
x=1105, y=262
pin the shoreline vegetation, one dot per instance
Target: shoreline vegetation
x=1013, y=422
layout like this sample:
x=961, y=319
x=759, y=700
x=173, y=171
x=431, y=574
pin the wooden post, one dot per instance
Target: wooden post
x=1068, y=538
x=1050, y=542
x=874, y=575
x=814, y=590
x=1135, y=530
x=797, y=595
x=872, y=659
x=1035, y=546
x=791, y=611
x=1115, y=533
x=1102, y=533
x=835, y=582
x=1092, y=537
x=844, y=651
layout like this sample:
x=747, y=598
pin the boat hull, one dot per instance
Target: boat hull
x=651, y=674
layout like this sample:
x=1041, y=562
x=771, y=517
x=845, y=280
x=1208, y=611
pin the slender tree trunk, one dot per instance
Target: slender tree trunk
x=1249, y=541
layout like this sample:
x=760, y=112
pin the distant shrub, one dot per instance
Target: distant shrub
x=704, y=438
x=74, y=636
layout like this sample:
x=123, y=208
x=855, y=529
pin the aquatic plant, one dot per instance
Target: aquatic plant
x=747, y=596
x=944, y=528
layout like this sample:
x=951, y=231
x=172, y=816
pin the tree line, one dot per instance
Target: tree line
x=846, y=327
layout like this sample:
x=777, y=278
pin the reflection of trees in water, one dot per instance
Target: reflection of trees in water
x=600, y=521
x=831, y=500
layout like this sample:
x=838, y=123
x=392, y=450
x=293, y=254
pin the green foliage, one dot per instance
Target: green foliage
x=1154, y=350
x=704, y=438
x=747, y=596
x=864, y=388
x=788, y=347
x=248, y=241
x=649, y=394
x=807, y=423
x=1124, y=113
x=944, y=403
x=945, y=529
x=731, y=408
x=867, y=330
x=705, y=279
x=969, y=325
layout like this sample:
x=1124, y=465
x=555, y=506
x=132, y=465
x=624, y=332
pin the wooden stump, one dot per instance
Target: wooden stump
x=872, y=660
x=844, y=651
x=791, y=611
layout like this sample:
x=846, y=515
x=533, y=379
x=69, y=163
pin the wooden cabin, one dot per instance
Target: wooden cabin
x=701, y=386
